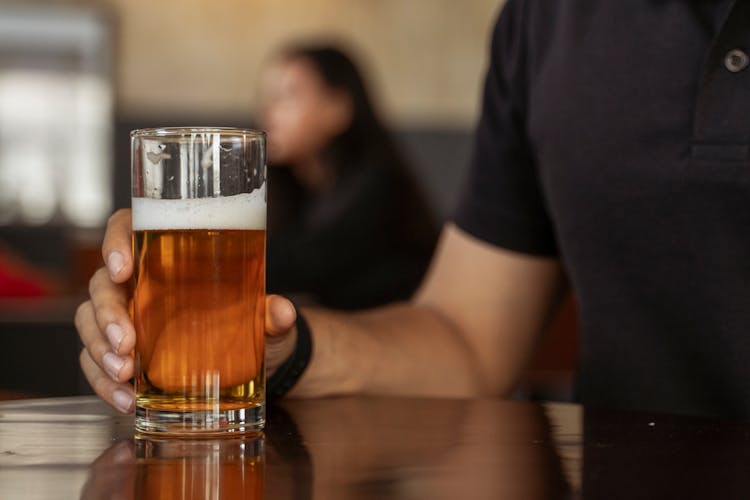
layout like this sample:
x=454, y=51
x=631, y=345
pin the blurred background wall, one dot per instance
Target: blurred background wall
x=425, y=57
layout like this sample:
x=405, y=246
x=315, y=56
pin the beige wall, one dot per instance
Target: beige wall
x=425, y=58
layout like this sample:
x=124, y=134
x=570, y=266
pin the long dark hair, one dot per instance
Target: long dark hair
x=366, y=138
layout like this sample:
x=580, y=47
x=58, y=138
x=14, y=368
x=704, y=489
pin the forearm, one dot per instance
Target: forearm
x=468, y=331
x=401, y=349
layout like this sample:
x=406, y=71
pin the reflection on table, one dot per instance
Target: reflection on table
x=158, y=469
x=363, y=448
x=332, y=449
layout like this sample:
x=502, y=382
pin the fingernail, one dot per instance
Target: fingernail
x=122, y=400
x=114, y=334
x=113, y=364
x=115, y=263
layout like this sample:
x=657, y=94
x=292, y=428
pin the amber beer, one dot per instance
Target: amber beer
x=198, y=311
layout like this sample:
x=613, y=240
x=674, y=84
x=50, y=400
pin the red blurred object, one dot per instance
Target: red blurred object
x=20, y=279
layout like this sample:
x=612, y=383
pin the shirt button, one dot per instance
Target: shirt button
x=736, y=60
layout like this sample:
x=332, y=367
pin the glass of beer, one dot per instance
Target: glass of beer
x=199, y=220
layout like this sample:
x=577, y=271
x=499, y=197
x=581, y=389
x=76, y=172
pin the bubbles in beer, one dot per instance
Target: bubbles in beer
x=242, y=211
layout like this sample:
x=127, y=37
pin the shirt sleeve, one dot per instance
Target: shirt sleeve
x=502, y=202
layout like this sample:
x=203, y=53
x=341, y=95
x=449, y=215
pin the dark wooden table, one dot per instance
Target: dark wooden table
x=362, y=448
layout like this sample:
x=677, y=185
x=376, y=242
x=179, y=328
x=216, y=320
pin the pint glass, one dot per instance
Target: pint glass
x=199, y=220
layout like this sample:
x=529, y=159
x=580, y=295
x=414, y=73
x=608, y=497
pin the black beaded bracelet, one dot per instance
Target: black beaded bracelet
x=292, y=369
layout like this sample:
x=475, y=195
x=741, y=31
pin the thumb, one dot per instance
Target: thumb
x=280, y=315
x=280, y=332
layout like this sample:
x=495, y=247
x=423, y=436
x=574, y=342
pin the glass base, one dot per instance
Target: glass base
x=200, y=423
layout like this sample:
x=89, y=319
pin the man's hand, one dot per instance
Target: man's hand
x=107, y=332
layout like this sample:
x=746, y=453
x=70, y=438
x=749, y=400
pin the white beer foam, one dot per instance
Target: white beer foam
x=241, y=211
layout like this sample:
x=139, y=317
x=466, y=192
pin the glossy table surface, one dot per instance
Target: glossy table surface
x=364, y=448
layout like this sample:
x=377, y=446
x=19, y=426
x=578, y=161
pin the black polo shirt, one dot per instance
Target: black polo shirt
x=616, y=136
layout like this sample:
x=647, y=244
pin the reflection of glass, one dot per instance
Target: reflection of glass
x=145, y=469
x=199, y=229
x=206, y=469
x=55, y=116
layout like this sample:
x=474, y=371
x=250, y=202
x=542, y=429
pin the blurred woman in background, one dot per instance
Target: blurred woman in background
x=348, y=225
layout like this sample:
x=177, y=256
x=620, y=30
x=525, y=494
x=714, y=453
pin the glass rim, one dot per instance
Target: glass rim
x=182, y=131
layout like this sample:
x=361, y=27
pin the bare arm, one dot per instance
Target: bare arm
x=468, y=331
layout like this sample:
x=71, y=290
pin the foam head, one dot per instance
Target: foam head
x=241, y=211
